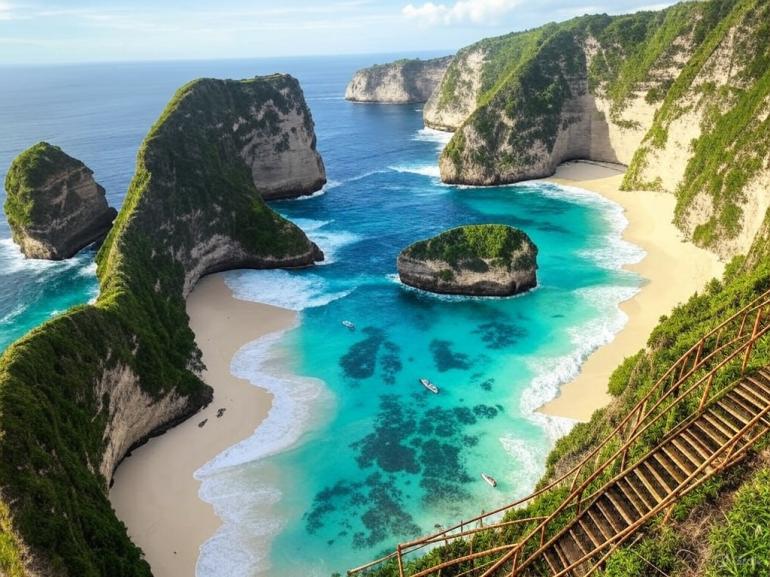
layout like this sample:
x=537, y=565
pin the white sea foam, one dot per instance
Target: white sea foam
x=528, y=465
x=430, y=170
x=13, y=314
x=240, y=546
x=290, y=411
x=555, y=371
x=281, y=288
x=88, y=270
x=329, y=240
x=439, y=137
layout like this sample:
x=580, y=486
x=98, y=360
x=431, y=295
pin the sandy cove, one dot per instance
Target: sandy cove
x=155, y=493
x=673, y=269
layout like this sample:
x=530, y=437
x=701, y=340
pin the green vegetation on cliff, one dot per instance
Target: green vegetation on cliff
x=57, y=411
x=28, y=172
x=492, y=242
x=734, y=144
x=529, y=78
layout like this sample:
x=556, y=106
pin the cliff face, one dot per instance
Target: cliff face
x=587, y=88
x=53, y=205
x=710, y=142
x=479, y=260
x=77, y=393
x=400, y=82
x=664, y=92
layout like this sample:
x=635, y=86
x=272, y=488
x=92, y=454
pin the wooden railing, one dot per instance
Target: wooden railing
x=728, y=345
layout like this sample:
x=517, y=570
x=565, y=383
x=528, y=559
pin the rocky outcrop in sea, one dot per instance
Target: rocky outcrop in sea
x=53, y=204
x=475, y=260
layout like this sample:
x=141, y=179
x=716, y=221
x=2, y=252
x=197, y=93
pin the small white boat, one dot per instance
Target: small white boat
x=430, y=386
x=349, y=325
x=489, y=479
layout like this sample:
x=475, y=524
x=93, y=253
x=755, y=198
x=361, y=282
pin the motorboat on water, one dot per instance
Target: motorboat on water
x=349, y=325
x=428, y=385
x=489, y=479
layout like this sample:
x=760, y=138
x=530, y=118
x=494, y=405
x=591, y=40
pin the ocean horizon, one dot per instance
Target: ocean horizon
x=354, y=456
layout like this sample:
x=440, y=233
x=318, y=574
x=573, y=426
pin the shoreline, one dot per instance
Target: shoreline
x=154, y=492
x=673, y=269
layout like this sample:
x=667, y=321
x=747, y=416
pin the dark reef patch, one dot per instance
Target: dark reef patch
x=386, y=446
x=445, y=358
x=497, y=335
x=360, y=361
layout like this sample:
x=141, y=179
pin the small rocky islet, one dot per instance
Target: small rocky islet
x=473, y=260
x=54, y=206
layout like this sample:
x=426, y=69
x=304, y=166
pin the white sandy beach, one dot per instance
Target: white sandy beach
x=673, y=270
x=155, y=493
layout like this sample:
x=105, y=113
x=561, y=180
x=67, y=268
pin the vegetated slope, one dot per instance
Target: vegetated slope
x=77, y=393
x=714, y=122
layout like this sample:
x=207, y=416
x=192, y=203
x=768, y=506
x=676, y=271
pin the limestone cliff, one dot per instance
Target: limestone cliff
x=399, y=82
x=53, y=204
x=680, y=95
x=478, y=260
x=77, y=393
x=710, y=142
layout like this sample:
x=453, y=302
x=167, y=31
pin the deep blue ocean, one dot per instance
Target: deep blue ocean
x=355, y=454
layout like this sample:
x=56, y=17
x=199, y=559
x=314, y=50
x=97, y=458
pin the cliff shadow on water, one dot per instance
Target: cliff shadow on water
x=80, y=391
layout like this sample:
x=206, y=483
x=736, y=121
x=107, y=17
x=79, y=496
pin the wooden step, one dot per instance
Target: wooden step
x=590, y=531
x=757, y=388
x=748, y=400
x=554, y=564
x=744, y=402
x=658, y=476
x=623, y=504
x=571, y=548
x=583, y=543
x=608, y=511
x=765, y=374
x=687, y=450
x=735, y=410
x=703, y=450
x=600, y=523
x=707, y=435
x=681, y=461
x=677, y=474
x=653, y=491
x=560, y=554
x=728, y=424
x=718, y=429
x=633, y=495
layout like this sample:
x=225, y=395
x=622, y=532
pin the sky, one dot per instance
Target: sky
x=58, y=31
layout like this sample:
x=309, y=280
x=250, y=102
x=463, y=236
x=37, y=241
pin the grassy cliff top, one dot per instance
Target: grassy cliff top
x=491, y=242
x=27, y=173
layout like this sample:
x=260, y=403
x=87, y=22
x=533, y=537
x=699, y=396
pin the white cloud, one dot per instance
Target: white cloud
x=462, y=11
x=6, y=11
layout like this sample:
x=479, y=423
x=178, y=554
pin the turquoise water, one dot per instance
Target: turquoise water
x=355, y=455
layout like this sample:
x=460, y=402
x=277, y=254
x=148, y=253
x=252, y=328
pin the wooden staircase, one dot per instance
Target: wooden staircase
x=615, y=489
x=687, y=455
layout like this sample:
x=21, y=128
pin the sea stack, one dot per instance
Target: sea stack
x=476, y=260
x=54, y=206
x=399, y=82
